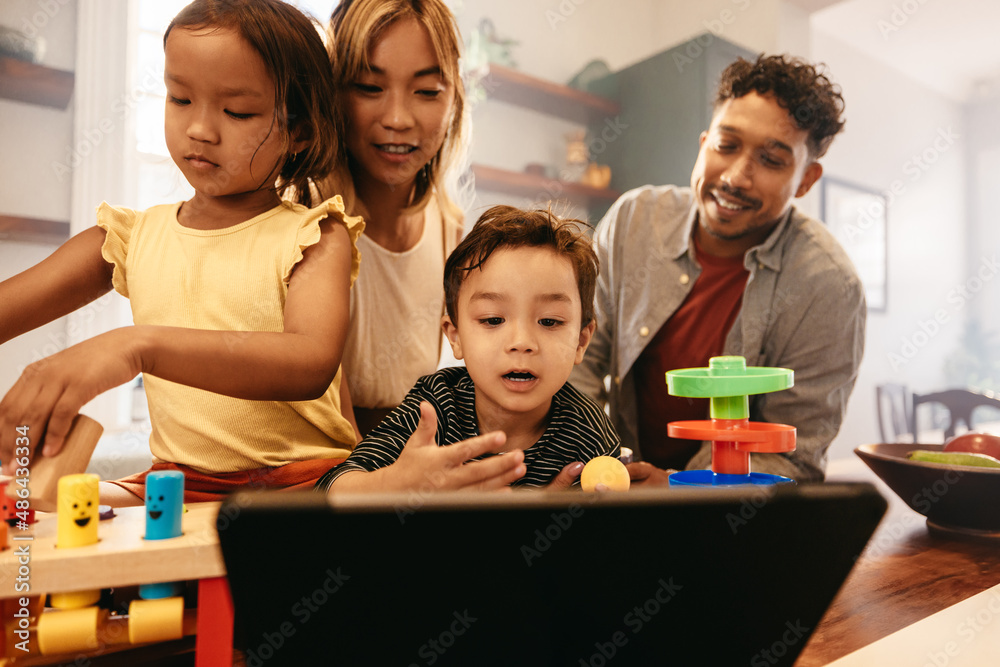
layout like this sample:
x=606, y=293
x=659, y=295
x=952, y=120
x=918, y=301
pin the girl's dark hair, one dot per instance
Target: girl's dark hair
x=811, y=99
x=293, y=52
x=509, y=227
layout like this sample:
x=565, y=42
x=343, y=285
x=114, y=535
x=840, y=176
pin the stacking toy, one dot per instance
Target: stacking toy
x=728, y=382
x=164, y=507
x=76, y=526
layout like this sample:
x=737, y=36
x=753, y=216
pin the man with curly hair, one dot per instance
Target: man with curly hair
x=730, y=267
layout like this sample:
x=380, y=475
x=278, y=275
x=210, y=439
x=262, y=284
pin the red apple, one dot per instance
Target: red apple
x=978, y=443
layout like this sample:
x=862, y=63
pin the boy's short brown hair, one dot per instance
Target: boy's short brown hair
x=509, y=227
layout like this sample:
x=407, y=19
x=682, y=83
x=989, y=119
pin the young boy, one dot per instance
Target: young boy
x=519, y=291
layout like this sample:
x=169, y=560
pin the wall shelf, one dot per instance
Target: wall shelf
x=33, y=230
x=35, y=84
x=504, y=84
x=538, y=187
x=508, y=85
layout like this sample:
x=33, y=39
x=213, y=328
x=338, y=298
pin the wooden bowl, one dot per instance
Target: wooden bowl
x=955, y=499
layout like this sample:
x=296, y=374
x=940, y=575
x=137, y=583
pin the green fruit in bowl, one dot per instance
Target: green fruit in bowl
x=978, y=443
x=954, y=458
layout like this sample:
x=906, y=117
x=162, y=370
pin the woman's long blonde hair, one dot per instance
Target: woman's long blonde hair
x=355, y=26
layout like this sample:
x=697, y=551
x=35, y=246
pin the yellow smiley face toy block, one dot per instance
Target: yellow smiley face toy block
x=78, y=512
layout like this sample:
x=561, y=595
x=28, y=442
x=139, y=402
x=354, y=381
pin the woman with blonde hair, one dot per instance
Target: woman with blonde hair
x=402, y=106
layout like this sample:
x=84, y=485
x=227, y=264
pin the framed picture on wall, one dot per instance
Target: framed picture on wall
x=857, y=217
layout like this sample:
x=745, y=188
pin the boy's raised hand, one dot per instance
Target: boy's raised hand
x=50, y=392
x=423, y=465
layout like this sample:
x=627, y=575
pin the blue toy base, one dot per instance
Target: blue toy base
x=709, y=478
x=159, y=591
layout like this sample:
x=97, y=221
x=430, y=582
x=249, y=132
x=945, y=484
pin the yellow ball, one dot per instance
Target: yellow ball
x=605, y=470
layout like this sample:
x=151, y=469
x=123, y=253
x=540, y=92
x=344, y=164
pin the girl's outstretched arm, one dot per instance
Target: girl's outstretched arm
x=296, y=364
x=71, y=277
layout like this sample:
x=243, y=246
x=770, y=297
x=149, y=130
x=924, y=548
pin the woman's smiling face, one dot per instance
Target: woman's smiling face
x=398, y=111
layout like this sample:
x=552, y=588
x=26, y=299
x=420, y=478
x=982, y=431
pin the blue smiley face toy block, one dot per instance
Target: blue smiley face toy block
x=164, y=508
x=164, y=504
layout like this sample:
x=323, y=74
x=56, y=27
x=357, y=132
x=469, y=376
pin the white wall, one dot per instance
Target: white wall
x=984, y=165
x=34, y=138
x=916, y=153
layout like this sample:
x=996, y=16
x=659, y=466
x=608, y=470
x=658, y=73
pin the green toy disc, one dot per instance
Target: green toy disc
x=728, y=376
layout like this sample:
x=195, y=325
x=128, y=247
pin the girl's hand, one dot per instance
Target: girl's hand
x=424, y=466
x=50, y=392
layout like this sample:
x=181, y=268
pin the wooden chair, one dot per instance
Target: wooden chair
x=960, y=404
x=895, y=413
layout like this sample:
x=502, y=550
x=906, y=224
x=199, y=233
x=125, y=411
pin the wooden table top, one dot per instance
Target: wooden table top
x=904, y=575
x=120, y=558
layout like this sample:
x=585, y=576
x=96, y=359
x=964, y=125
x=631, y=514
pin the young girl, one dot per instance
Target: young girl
x=240, y=300
x=397, y=78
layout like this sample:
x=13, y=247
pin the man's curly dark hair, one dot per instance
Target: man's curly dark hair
x=812, y=100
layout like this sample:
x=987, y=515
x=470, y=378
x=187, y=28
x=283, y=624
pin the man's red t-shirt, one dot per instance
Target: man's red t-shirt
x=693, y=335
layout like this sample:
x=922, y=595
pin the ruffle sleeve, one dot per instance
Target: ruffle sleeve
x=309, y=232
x=118, y=223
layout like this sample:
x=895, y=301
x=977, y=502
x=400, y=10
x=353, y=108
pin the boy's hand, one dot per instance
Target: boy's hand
x=423, y=465
x=50, y=392
x=646, y=474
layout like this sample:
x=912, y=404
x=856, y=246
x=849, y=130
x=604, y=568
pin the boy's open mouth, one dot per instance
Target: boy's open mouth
x=519, y=377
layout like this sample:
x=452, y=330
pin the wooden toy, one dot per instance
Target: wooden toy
x=164, y=504
x=69, y=630
x=164, y=508
x=43, y=482
x=156, y=620
x=77, y=519
x=120, y=559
